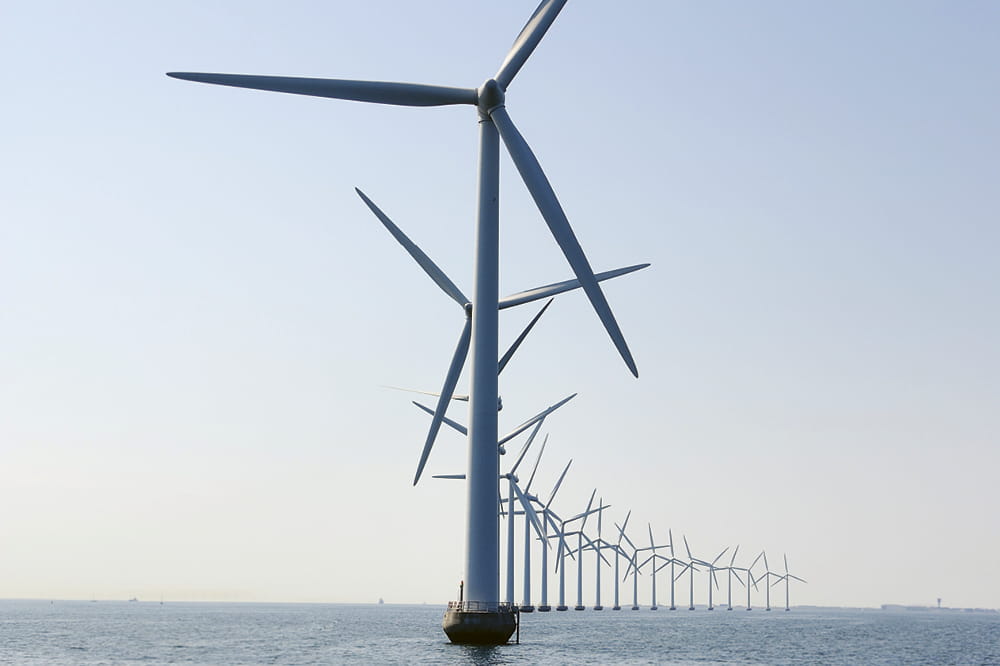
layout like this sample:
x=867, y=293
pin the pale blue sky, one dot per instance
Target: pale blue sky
x=197, y=311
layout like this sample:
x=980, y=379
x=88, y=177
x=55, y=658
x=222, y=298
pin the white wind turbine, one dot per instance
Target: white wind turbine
x=711, y=574
x=547, y=519
x=526, y=605
x=530, y=516
x=597, y=545
x=633, y=566
x=731, y=571
x=689, y=566
x=619, y=553
x=767, y=582
x=652, y=561
x=750, y=577
x=491, y=623
x=785, y=578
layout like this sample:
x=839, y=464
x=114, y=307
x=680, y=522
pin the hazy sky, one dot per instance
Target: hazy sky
x=197, y=312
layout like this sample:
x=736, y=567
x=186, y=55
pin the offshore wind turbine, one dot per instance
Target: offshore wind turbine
x=526, y=606
x=479, y=618
x=689, y=565
x=530, y=518
x=633, y=567
x=785, y=578
x=619, y=552
x=731, y=571
x=547, y=518
x=652, y=560
x=750, y=577
x=598, y=545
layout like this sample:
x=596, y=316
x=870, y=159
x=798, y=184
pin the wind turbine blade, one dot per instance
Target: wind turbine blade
x=766, y=568
x=555, y=489
x=651, y=542
x=527, y=445
x=738, y=578
x=733, y=558
x=457, y=362
x=517, y=343
x=432, y=270
x=786, y=562
x=527, y=487
x=755, y=561
x=527, y=40
x=455, y=425
x=534, y=419
x=464, y=398
x=529, y=510
x=688, y=548
x=798, y=579
x=720, y=555
x=587, y=511
x=379, y=92
x=559, y=287
x=545, y=198
x=448, y=476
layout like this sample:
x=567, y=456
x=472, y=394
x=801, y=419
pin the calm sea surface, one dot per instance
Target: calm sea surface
x=108, y=632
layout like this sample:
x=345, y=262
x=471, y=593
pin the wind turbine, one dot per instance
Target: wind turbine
x=633, y=567
x=711, y=575
x=529, y=512
x=785, y=578
x=480, y=618
x=652, y=560
x=565, y=551
x=547, y=518
x=732, y=572
x=526, y=606
x=689, y=566
x=767, y=583
x=579, y=552
x=598, y=545
x=618, y=555
x=750, y=577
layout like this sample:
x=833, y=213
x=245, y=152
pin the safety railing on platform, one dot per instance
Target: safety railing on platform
x=482, y=607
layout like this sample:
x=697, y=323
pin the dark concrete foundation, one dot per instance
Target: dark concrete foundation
x=579, y=608
x=617, y=608
x=562, y=608
x=544, y=609
x=526, y=609
x=598, y=607
x=492, y=626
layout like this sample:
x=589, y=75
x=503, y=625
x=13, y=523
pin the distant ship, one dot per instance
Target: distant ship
x=134, y=599
x=381, y=600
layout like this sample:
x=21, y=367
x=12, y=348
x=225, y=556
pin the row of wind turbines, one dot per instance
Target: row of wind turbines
x=541, y=522
x=479, y=340
x=549, y=526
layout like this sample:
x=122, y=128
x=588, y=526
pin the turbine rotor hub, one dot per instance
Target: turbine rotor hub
x=490, y=97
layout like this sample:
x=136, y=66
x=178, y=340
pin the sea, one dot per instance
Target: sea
x=148, y=632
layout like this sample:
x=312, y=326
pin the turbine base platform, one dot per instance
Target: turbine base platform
x=616, y=608
x=654, y=608
x=527, y=608
x=544, y=609
x=561, y=608
x=598, y=607
x=579, y=608
x=479, y=622
x=635, y=608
